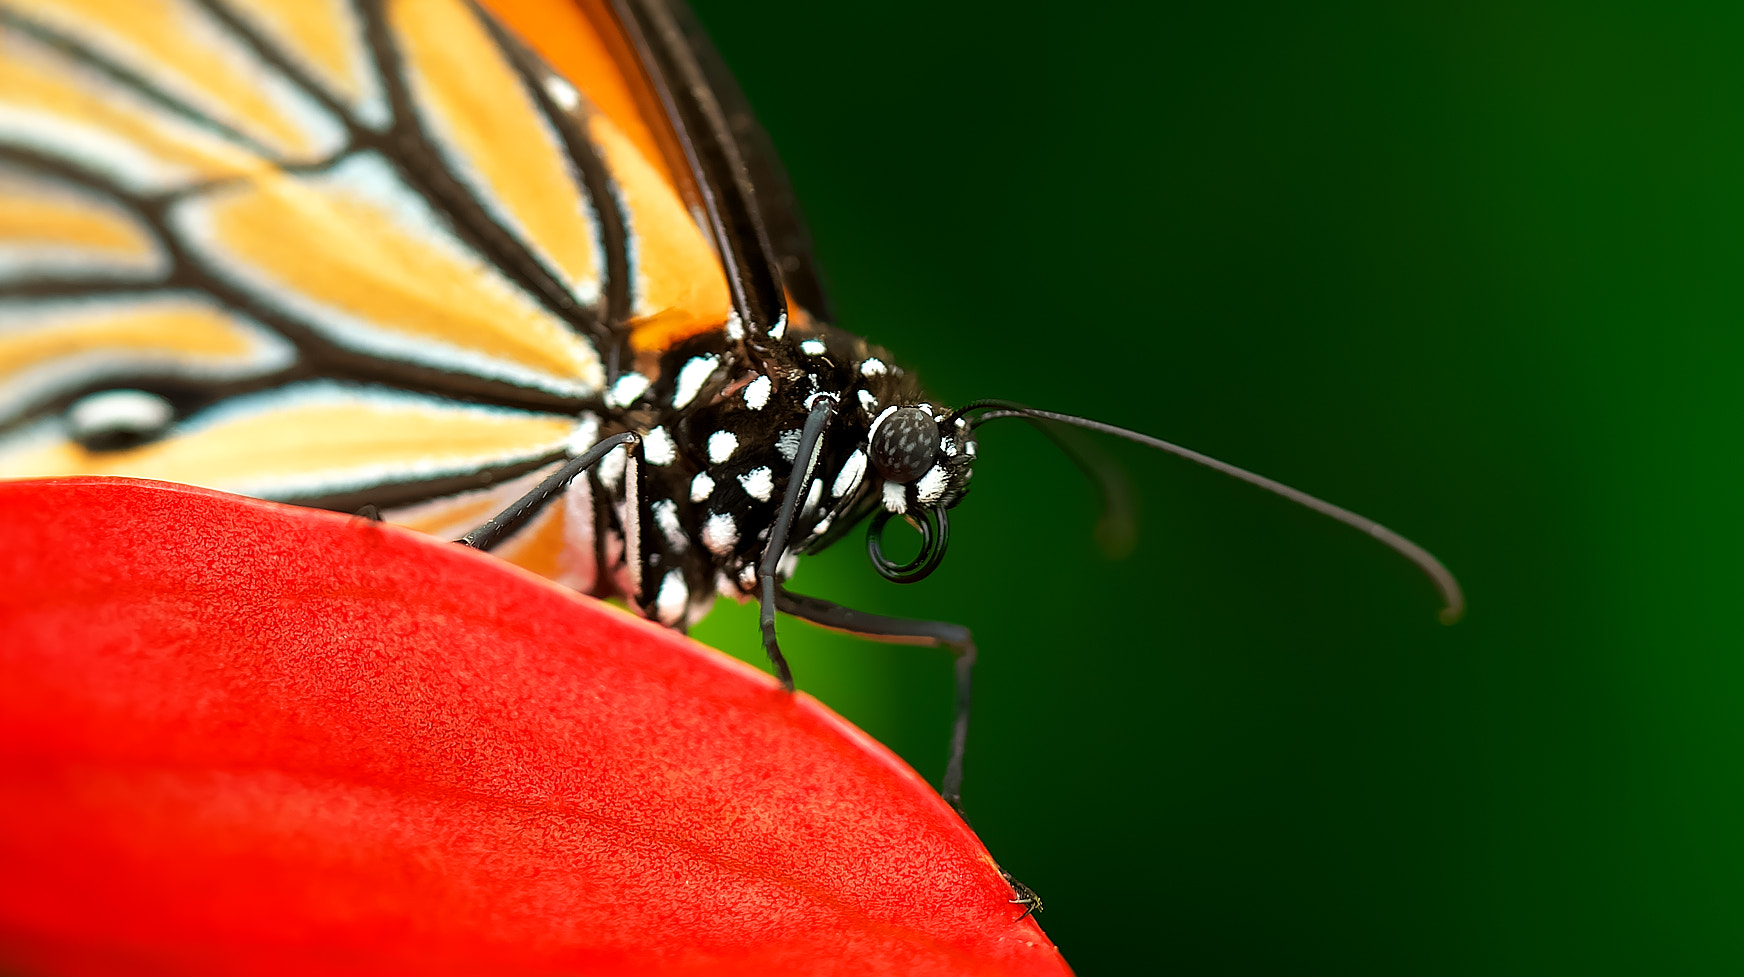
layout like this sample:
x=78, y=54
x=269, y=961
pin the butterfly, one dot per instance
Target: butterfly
x=522, y=273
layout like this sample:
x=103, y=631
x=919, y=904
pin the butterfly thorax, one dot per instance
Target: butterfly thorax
x=721, y=423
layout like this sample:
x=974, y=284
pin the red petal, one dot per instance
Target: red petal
x=238, y=737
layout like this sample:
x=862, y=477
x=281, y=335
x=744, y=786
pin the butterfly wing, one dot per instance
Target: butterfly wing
x=356, y=251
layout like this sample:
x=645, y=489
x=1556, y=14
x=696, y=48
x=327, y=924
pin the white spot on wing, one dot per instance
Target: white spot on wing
x=895, y=497
x=873, y=367
x=812, y=496
x=848, y=479
x=759, y=483
x=119, y=411
x=585, y=436
x=691, y=377
x=624, y=393
x=720, y=534
x=757, y=393
x=721, y=446
x=700, y=487
x=562, y=93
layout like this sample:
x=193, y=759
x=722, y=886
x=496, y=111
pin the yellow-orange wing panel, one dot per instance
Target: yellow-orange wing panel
x=205, y=204
x=313, y=440
x=51, y=227
x=677, y=286
x=489, y=130
x=365, y=263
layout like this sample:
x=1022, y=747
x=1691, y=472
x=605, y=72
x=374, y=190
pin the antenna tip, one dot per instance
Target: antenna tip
x=1454, y=612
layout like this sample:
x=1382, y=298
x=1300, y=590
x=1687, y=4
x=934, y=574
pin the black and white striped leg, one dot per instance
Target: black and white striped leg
x=804, y=461
x=900, y=630
x=527, y=506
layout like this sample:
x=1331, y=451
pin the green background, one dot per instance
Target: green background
x=1473, y=269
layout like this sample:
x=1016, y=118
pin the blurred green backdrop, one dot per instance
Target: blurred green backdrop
x=1473, y=269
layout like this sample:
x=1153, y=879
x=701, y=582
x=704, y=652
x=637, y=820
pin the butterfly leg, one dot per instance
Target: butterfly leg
x=897, y=630
x=527, y=506
x=768, y=575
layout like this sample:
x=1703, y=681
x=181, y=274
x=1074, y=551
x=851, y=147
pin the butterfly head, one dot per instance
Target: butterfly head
x=889, y=450
x=924, y=458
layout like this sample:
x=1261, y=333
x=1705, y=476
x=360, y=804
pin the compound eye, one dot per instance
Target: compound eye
x=906, y=444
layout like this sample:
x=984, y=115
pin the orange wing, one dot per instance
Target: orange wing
x=300, y=228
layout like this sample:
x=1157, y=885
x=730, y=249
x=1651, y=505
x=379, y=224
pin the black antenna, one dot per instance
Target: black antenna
x=1451, y=596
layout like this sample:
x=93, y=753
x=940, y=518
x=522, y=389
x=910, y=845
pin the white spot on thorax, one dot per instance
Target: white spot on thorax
x=848, y=479
x=748, y=576
x=759, y=483
x=873, y=367
x=720, y=534
x=812, y=347
x=658, y=448
x=674, y=595
x=931, y=485
x=895, y=497
x=779, y=328
x=787, y=443
x=812, y=496
x=691, y=377
x=721, y=446
x=611, y=470
x=735, y=326
x=700, y=487
x=757, y=393
x=666, y=517
x=868, y=403
x=624, y=393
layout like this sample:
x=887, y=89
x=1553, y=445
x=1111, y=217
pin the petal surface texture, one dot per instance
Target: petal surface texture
x=246, y=738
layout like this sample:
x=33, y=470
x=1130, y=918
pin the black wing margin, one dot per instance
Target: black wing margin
x=742, y=187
